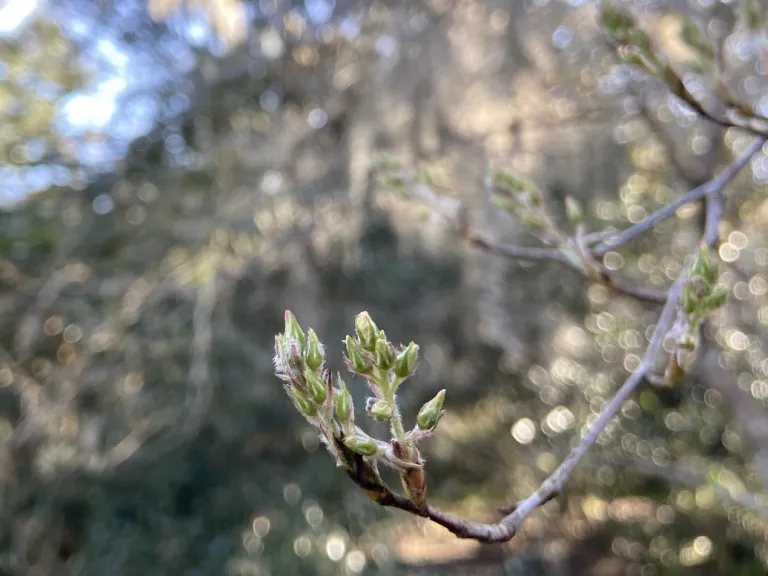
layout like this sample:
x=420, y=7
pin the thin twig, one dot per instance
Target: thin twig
x=535, y=254
x=716, y=184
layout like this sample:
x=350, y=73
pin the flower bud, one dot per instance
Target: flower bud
x=381, y=411
x=405, y=363
x=689, y=299
x=430, y=413
x=366, y=331
x=313, y=354
x=302, y=403
x=356, y=357
x=384, y=355
x=292, y=328
x=363, y=445
x=573, y=211
x=717, y=298
x=342, y=401
x=318, y=391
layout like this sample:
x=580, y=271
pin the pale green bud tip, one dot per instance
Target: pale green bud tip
x=293, y=329
x=356, y=357
x=318, y=391
x=430, y=413
x=381, y=411
x=384, y=354
x=302, y=403
x=405, y=363
x=342, y=400
x=314, y=354
x=717, y=298
x=361, y=444
x=366, y=330
x=573, y=211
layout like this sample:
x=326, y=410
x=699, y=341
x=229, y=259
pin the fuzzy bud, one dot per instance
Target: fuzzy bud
x=318, y=390
x=313, y=354
x=361, y=444
x=384, y=355
x=292, y=328
x=431, y=412
x=405, y=363
x=342, y=401
x=366, y=330
x=302, y=403
x=381, y=411
x=358, y=360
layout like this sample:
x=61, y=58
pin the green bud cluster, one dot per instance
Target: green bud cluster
x=521, y=198
x=700, y=297
x=701, y=294
x=300, y=363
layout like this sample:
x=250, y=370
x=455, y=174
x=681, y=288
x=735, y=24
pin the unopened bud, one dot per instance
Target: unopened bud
x=356, y=357
x=405, y=363
x=381, y=411
x=361, y=444
x=430, y=413
x=717, y=298
x=313, y=354
x=292, y=328
x=318, y=391
x=674, y=374
x=384, y=355
x=573, y=211
x=366, y=331
x=302, y=403
x=689, y=299
x=342, y=401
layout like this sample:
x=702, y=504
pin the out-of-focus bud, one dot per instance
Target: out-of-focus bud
x=358, y=361
x=573, y=211
x=384, y=355
x=361, y=444
x=717, y=298
x=318, y=391
x=405, y=363
x=689, y=299
x=366, y=330
x=292, y=328
x=302, y=403
x=342, y=400
x=313, y=354
x=674, y=374
x=381, y=411
x=430, y=413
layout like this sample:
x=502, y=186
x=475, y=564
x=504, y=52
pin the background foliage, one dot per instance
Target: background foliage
x=175, y=175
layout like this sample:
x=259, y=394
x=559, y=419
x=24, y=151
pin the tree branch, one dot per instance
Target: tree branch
x=714, y=185
x=535, y=254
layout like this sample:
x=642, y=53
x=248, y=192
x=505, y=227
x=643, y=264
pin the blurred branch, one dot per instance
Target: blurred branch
x=706, y=189
x=187, y=422
x=555, y=255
